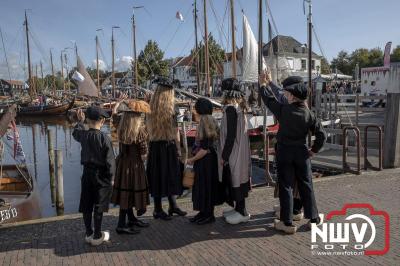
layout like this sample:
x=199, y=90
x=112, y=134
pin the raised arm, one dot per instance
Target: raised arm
x=268, y=96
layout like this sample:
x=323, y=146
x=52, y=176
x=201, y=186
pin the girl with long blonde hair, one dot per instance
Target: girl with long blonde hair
x=205, y=188
x=163, y=167
x=130, y=183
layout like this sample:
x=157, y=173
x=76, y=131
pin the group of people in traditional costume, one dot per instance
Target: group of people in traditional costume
x=150, y=160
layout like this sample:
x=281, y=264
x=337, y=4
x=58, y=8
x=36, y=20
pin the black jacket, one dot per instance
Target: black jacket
x=295, y=121
x=97, y=150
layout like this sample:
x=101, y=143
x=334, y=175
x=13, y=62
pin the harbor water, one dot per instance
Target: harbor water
x=33, y=135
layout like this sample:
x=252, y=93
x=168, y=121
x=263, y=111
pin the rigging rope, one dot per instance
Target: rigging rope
x=5, y=54
x=177, y=29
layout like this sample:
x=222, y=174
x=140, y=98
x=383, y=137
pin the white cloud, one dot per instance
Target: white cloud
x=102, y=65
x=121, y=64
x=124, y=63
x=16, y=69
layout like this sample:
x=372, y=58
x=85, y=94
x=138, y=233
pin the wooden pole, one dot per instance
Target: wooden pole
x=97, y=64
x=60, y=183
x=30, y=83
x=309, y=20
x=233, y=39
x=36, y=79
x=52, y=73
x=62, y=71
x=391, y=148
x=197, y=48
x=113, y=63
x=206, y=56
x=135, y=56
x=52, y=172
x=41, y=71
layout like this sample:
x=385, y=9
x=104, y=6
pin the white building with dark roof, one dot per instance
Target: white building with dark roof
x=284, y=56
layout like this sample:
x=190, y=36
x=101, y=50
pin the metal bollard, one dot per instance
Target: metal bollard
x=346, y=167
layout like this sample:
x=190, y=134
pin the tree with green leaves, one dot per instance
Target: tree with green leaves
x=325, y=67
x=216, y=55
x=342, y=63
x=151, y=62
x=395, y=56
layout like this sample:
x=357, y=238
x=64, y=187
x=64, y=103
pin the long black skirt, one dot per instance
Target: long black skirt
x=163, y=169
x=206, y=192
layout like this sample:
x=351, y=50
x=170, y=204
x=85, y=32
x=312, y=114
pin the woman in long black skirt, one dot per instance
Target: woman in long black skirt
x=205, y=187
x=163, y=168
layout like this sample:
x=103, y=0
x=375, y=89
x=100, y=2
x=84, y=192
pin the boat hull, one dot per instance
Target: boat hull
x=45, y=110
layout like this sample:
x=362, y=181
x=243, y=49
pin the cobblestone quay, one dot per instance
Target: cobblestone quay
x=59, y=241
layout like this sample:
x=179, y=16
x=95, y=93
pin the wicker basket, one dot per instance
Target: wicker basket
x=188, y=177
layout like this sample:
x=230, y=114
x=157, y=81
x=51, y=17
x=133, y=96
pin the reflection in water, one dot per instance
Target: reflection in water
x=33, y=134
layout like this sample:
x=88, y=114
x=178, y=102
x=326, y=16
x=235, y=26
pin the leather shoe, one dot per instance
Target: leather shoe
x=206, y=220
x=161, y=215
x=138, y=223
x=127, y=230
x=197, y=217
x=176, y=211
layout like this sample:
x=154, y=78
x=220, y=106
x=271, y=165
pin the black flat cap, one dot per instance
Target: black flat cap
x=230, y=84
x=295, y=85
x=96, y=113
x=203, y=106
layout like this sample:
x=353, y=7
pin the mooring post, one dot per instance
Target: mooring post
x=51, y=165
x=60, y=183
x=391, y=148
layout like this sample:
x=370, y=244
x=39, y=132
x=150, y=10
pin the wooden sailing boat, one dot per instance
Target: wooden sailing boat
x=55, y=108
x=18, y=197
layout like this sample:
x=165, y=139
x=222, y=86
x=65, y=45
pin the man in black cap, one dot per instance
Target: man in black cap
x=98, y=160
x=293, y=155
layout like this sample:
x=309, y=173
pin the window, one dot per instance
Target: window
x=313, y=64
x=291, y=63
x=303, y=64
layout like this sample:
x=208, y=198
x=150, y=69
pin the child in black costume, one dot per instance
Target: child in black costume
x=98, y=160
x=293, y=156
x=205, y=160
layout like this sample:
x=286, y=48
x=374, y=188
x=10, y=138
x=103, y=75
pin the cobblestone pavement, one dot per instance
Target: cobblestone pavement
x=59, y=241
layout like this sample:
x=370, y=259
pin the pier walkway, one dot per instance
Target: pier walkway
x=59, y=240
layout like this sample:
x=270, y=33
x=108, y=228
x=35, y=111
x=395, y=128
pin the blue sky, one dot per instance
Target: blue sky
x=340, y=24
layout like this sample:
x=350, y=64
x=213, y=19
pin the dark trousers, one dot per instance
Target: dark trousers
x=293, y=162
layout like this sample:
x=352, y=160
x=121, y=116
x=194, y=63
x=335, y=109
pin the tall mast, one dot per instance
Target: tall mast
x=41, y=70
x=41, y=75
x=30, y=83
x=134, y=51
x=62, y=71
x=97, y=63
x=233, y=39
x=260, y=37
x=206, y=56
x=113, y=63
x=36, y=79
x=52, y=73
x=66, y=69
x=197, y=47
x=309, y=24
x=76, y=54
